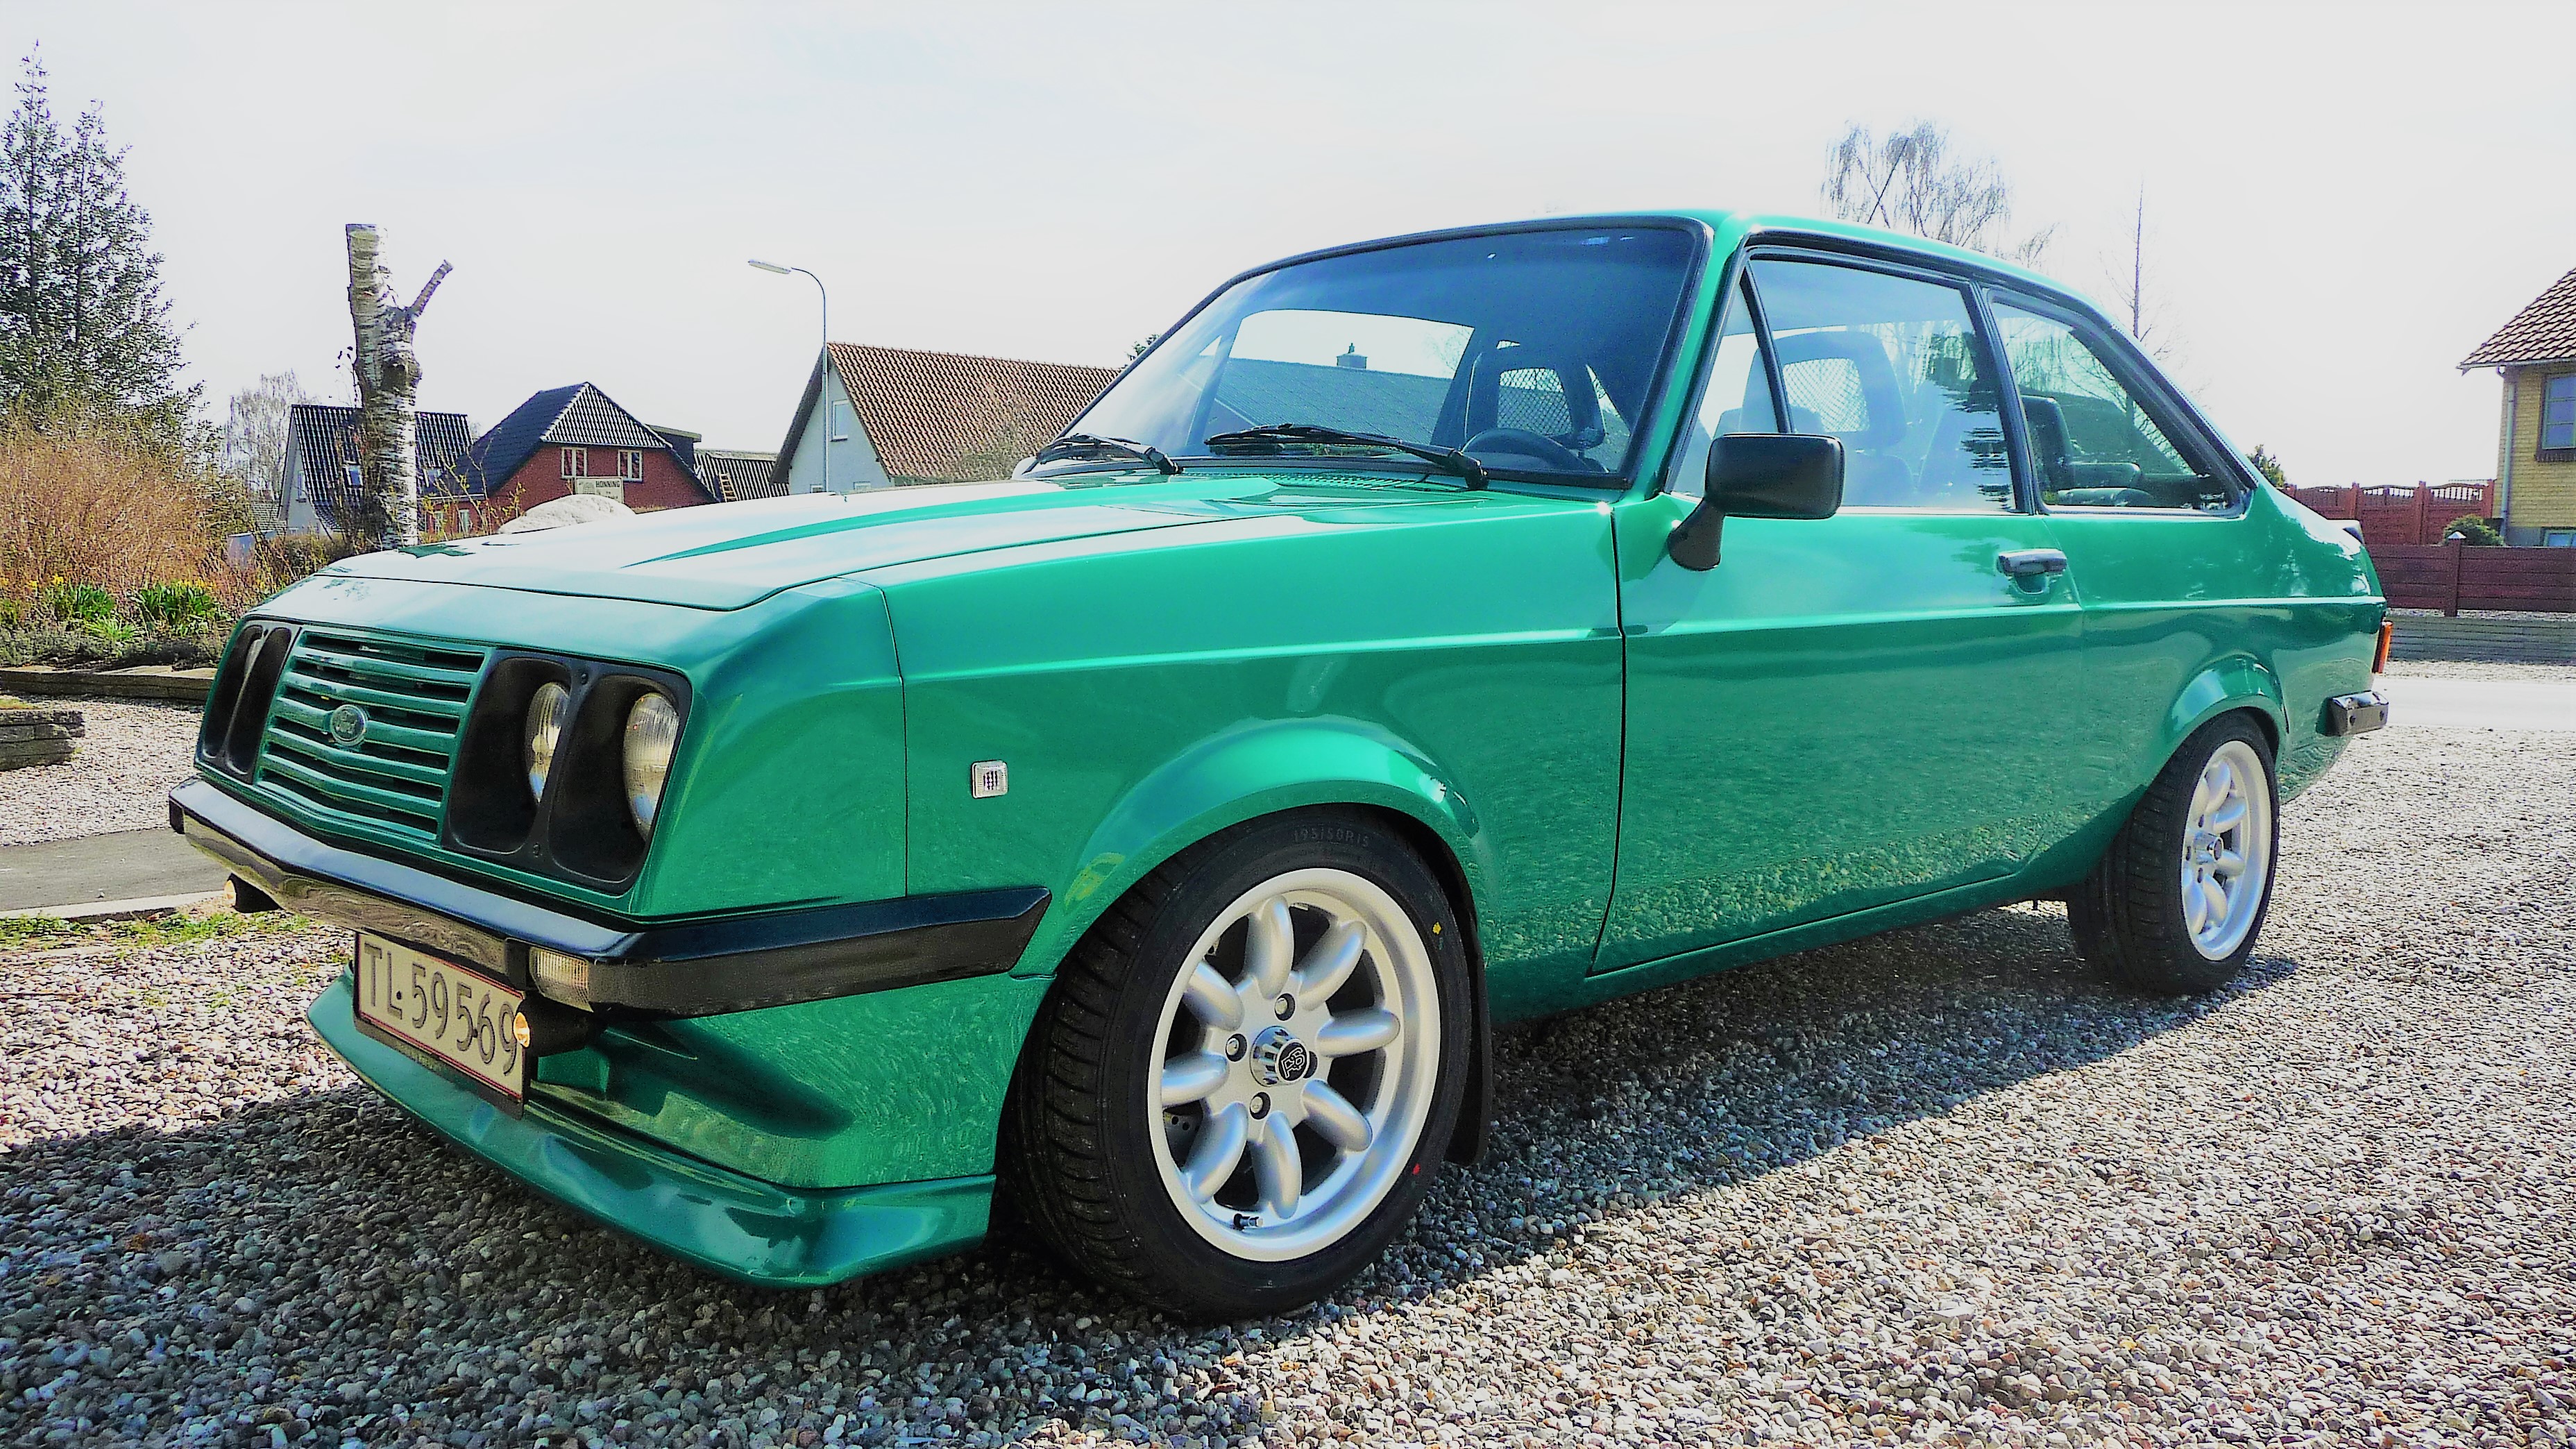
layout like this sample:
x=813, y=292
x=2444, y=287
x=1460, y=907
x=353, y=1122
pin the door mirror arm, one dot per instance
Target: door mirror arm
x=1759, y=475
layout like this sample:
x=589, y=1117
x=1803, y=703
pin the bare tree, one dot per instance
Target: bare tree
x=388, y=373
x=2135, y=294
x=255, y=439
x=1909, y=181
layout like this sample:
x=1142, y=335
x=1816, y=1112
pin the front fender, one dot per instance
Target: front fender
x=1258, y=768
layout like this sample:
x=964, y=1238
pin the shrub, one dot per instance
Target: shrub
x=77, y=603
x=2474, y=531
x=177, y=607
x=108, y=507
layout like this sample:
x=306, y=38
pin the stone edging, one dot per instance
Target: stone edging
x=179, y=686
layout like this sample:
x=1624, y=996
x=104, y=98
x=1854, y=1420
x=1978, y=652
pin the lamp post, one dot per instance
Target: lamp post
x=822, y=379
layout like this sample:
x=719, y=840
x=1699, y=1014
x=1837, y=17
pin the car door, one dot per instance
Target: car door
x=1860, y=710
x=2152, y=516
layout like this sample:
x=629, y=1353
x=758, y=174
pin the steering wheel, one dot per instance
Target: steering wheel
x=1532, y=445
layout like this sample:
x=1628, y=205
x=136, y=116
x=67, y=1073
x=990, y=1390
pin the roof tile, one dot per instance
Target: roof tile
x=928, y=412
x=325, y=438
x=2545, y=331
x=735, y=476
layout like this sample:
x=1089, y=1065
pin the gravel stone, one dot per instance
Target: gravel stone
x=132, y=754
x=1939, y=1185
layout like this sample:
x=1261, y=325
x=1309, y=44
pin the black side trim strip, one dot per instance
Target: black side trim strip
x=698, y=968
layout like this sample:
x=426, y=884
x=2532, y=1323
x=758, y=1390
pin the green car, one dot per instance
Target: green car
x=1424, y=634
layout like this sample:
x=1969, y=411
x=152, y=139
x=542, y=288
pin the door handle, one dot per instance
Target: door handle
x=2022, y=563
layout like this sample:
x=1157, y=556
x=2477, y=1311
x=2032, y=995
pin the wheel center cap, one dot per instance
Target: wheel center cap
x=1277, y=1057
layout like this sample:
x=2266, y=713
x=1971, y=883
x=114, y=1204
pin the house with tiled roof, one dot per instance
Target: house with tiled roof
x=576, y=439
x=734, y=475
x=2535, y=354
x=321, y=486
x=899, y=416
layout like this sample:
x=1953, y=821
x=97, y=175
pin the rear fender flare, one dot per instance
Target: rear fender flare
x=2241, y=682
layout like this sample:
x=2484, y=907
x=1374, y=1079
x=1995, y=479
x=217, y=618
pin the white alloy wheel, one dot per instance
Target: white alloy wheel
x=2226, y=850
x=1299, y=1058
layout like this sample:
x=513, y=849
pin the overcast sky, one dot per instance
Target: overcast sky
x=2342, y=200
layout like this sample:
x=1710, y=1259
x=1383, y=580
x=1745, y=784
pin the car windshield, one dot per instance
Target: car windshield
x=1530, y=351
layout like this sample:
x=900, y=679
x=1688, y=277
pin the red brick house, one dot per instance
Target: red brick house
x=569, y=440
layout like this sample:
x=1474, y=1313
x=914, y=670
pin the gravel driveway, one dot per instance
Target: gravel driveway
x=131, y=755
x=1943, y=1183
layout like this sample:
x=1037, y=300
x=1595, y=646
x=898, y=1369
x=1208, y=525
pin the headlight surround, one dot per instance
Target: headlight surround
x=548, y=777
x=652, y=731
x=549, y=710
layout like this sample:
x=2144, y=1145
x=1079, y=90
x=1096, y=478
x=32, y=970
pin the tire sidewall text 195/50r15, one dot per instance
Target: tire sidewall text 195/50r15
x=1247, y=1072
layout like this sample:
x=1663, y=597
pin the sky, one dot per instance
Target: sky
x=2341, y=200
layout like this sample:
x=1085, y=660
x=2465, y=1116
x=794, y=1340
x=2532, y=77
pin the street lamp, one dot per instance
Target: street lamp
x=822, y=380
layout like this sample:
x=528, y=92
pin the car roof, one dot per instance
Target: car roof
x=1723, y=223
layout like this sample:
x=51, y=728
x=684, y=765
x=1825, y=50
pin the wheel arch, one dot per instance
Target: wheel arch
x=1284, y=767
x=2237, y=684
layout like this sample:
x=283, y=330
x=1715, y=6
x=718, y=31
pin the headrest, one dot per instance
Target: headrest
x=1877, y=378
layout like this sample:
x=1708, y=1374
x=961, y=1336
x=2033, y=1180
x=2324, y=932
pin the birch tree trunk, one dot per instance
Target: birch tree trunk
x=388, y=373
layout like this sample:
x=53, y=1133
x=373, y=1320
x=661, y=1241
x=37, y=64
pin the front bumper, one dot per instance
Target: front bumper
x=699, y=968
x=788, y=1099
x=741, y=1227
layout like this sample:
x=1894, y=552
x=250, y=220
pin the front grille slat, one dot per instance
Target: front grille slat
x=340, y=693
x=358, y=766
x=415, y=695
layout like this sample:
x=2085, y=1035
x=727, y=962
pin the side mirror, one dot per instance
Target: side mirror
x=1760, y=475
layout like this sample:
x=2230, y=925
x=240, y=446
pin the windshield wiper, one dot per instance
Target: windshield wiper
x=1449, y=460
x=1072, y=443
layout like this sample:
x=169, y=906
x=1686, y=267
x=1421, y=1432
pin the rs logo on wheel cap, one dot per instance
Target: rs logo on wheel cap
x=348, y=725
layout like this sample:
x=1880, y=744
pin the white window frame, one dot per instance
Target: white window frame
x=576, y=462
x=630, y=465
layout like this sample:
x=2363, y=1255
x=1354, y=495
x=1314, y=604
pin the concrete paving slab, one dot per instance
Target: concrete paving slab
x=128, y=865
x=2479, y=704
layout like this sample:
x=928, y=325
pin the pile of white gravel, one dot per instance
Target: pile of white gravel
x=132, y=754
x=1942, y=1184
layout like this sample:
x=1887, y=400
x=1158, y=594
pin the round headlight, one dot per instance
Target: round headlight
x=652, y=728
x=545, y=731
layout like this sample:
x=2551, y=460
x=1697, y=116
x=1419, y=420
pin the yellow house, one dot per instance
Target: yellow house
x=2536, y=446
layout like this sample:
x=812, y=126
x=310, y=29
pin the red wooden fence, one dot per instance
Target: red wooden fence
x=2452, y=576
x=2402, y=515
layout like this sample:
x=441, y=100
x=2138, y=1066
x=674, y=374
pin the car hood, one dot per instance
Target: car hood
x=728, y=555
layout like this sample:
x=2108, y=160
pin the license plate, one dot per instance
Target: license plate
x=444, y=1010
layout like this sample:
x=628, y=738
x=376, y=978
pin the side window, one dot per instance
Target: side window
x=2558, y=413
x=2095, y=442
x=1737, y=398
x=1896, y=369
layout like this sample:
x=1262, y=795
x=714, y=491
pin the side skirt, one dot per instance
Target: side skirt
x=1667, y=970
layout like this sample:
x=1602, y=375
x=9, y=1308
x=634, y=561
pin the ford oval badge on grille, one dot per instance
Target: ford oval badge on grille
x=348, y=725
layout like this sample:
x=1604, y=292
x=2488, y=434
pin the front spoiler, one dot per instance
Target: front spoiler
x=737, y=1226
x=697, y=968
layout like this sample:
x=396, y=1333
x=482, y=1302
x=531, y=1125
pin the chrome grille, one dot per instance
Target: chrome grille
x=394, y=772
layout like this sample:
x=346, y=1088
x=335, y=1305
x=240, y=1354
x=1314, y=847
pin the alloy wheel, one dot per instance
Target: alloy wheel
x=1299, y=1057
x=2226, y=850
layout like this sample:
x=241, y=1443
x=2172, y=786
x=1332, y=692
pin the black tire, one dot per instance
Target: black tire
x=2128, y=915
x=1076, y=1160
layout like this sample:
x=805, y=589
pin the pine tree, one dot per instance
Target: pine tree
x=83, y=326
